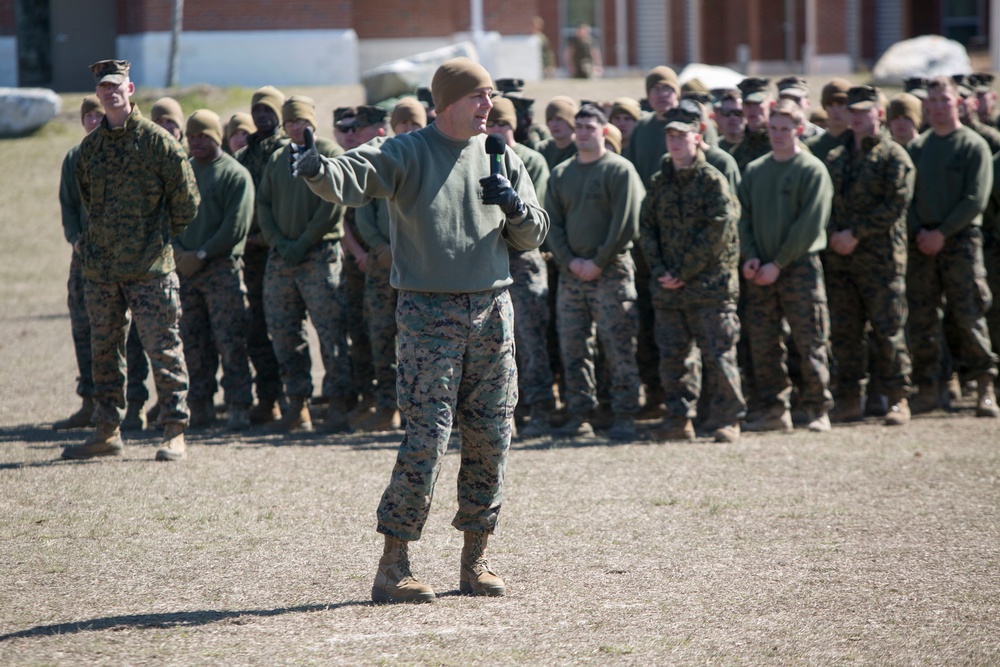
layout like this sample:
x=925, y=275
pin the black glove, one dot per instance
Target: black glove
x=498, y=191
x=306, y=161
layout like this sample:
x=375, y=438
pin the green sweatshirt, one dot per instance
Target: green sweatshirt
x=537, y=168
x=954, y=178
x=372, y=221
x=287, y=209
x=74, y=216
x=139, y=192
x=594, y=209
x=647, y=146
x=255, y=156
x=726, y=164
x=553, y=154
x=786, y=206
x=443, y=238
x=223, y=220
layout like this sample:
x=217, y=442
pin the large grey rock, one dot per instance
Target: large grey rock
x=24, y=110
x=398, y=77
x=710, y=75
x=926, y=56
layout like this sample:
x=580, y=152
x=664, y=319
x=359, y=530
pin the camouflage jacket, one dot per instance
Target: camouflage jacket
x=139, y=192
x=754, y=145
x=255, y=156
x=872, y=190
x=688, y=227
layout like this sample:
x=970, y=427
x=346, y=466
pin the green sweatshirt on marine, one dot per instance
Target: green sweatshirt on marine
x=537, y=168
x=372, y=221
x=74, y=215
x=223, y=220
x=553, y=154
x=646, y=146
x=594, y=209
x=820, y=145
x=255, y=156
x=288, y=210
x=954, y=179
x=786, y=206
x=443, y=238
x=726, y=164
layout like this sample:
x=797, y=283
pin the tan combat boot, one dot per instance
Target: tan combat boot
x=296, y=417
x=394, y=582
x=899, y=412
x=986, y=405
x=675, y=429
x=265, y=412
x=776, y=418
x=383, y=419
x=728, y=433
x=105, y=441
x=135, y=418
x=478, y=578
x=173, y=447
x=82, y=418
x=336, y=420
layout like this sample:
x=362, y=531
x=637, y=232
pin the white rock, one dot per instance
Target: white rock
x=398, y=77
x=926, y=56
x=24, y=110
x=710, y=75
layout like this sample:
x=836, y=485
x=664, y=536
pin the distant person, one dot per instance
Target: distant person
x=583, y=54
x=548, y=55
x=127, y=261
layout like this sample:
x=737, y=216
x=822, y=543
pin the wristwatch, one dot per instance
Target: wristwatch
x=201, y=255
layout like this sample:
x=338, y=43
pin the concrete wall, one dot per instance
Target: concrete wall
x=251, y=58
x=8, y=62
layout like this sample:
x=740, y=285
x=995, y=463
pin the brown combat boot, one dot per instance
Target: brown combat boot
x=296, y=417
x=265, y=412
x=394, y=582
x=577, y=426
x=173, y=447
x=776, y=418
x=728, y=433
x=383, y=419
x=477, y=577
x=336, y=420
x=986, y=405
x=899, y=412
x=135, y=418
x=105, y=441
x=82, y=418
x=675, y=429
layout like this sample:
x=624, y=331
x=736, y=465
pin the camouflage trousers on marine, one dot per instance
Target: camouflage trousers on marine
x=456, y=365
x=862, y=291
x=214, y=325
x=609, y=303
x=311, y=287
x=135, y=358
x=267, y=375
x=798, y=296
x=530, y=295
x=682, y=330
x=362, y=368
x=958, y=274
x=647, y=354
x=380, y=312
x=991, y=260
x=154, y=304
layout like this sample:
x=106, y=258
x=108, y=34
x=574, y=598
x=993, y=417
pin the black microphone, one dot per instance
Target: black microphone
x=495, y=146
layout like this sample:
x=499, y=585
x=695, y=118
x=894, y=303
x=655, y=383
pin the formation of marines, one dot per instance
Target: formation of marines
x=717, y=262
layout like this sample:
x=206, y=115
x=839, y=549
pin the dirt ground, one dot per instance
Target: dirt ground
x=864, y=546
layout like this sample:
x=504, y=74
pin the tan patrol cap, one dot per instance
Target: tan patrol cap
x=110, y=71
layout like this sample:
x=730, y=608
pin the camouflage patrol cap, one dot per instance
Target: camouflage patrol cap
x=503, y=112
x=835, y=92
x=861, y=98
x=722, y=94
x=625, y=105
x=755, y=89
x=698, y=96
x=110, y=71
x=510, y=85
x=685, y=117
x=982, y=81
x=962, y=84
x=793, y=86
x=522, y=104
x=916, y=86
x=358, y=117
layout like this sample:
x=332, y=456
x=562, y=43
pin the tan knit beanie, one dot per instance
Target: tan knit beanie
x=169, y=108
x=299, y=107
x=271, y=97
x=205, y=122
x=835, y=91
x=90, y=103
x=408, y=109
x=905, y=104
x=614, y=138
x=503, y=112
x=456, y=78
x=562, y=107
x=662, y=74
x=625, y=105
x=240, y=121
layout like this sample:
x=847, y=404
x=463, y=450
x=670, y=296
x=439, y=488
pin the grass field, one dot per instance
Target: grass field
x=864, y=546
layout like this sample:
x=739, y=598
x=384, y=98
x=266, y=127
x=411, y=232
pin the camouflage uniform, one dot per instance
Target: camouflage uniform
x=754, y=145
x=267, y=377
x=379, y=299
x=688, y=228
x=872, y=188
x=991, y=252
x=356, y=319
x=127, y=260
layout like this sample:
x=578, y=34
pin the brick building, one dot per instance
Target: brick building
x=250, y=42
